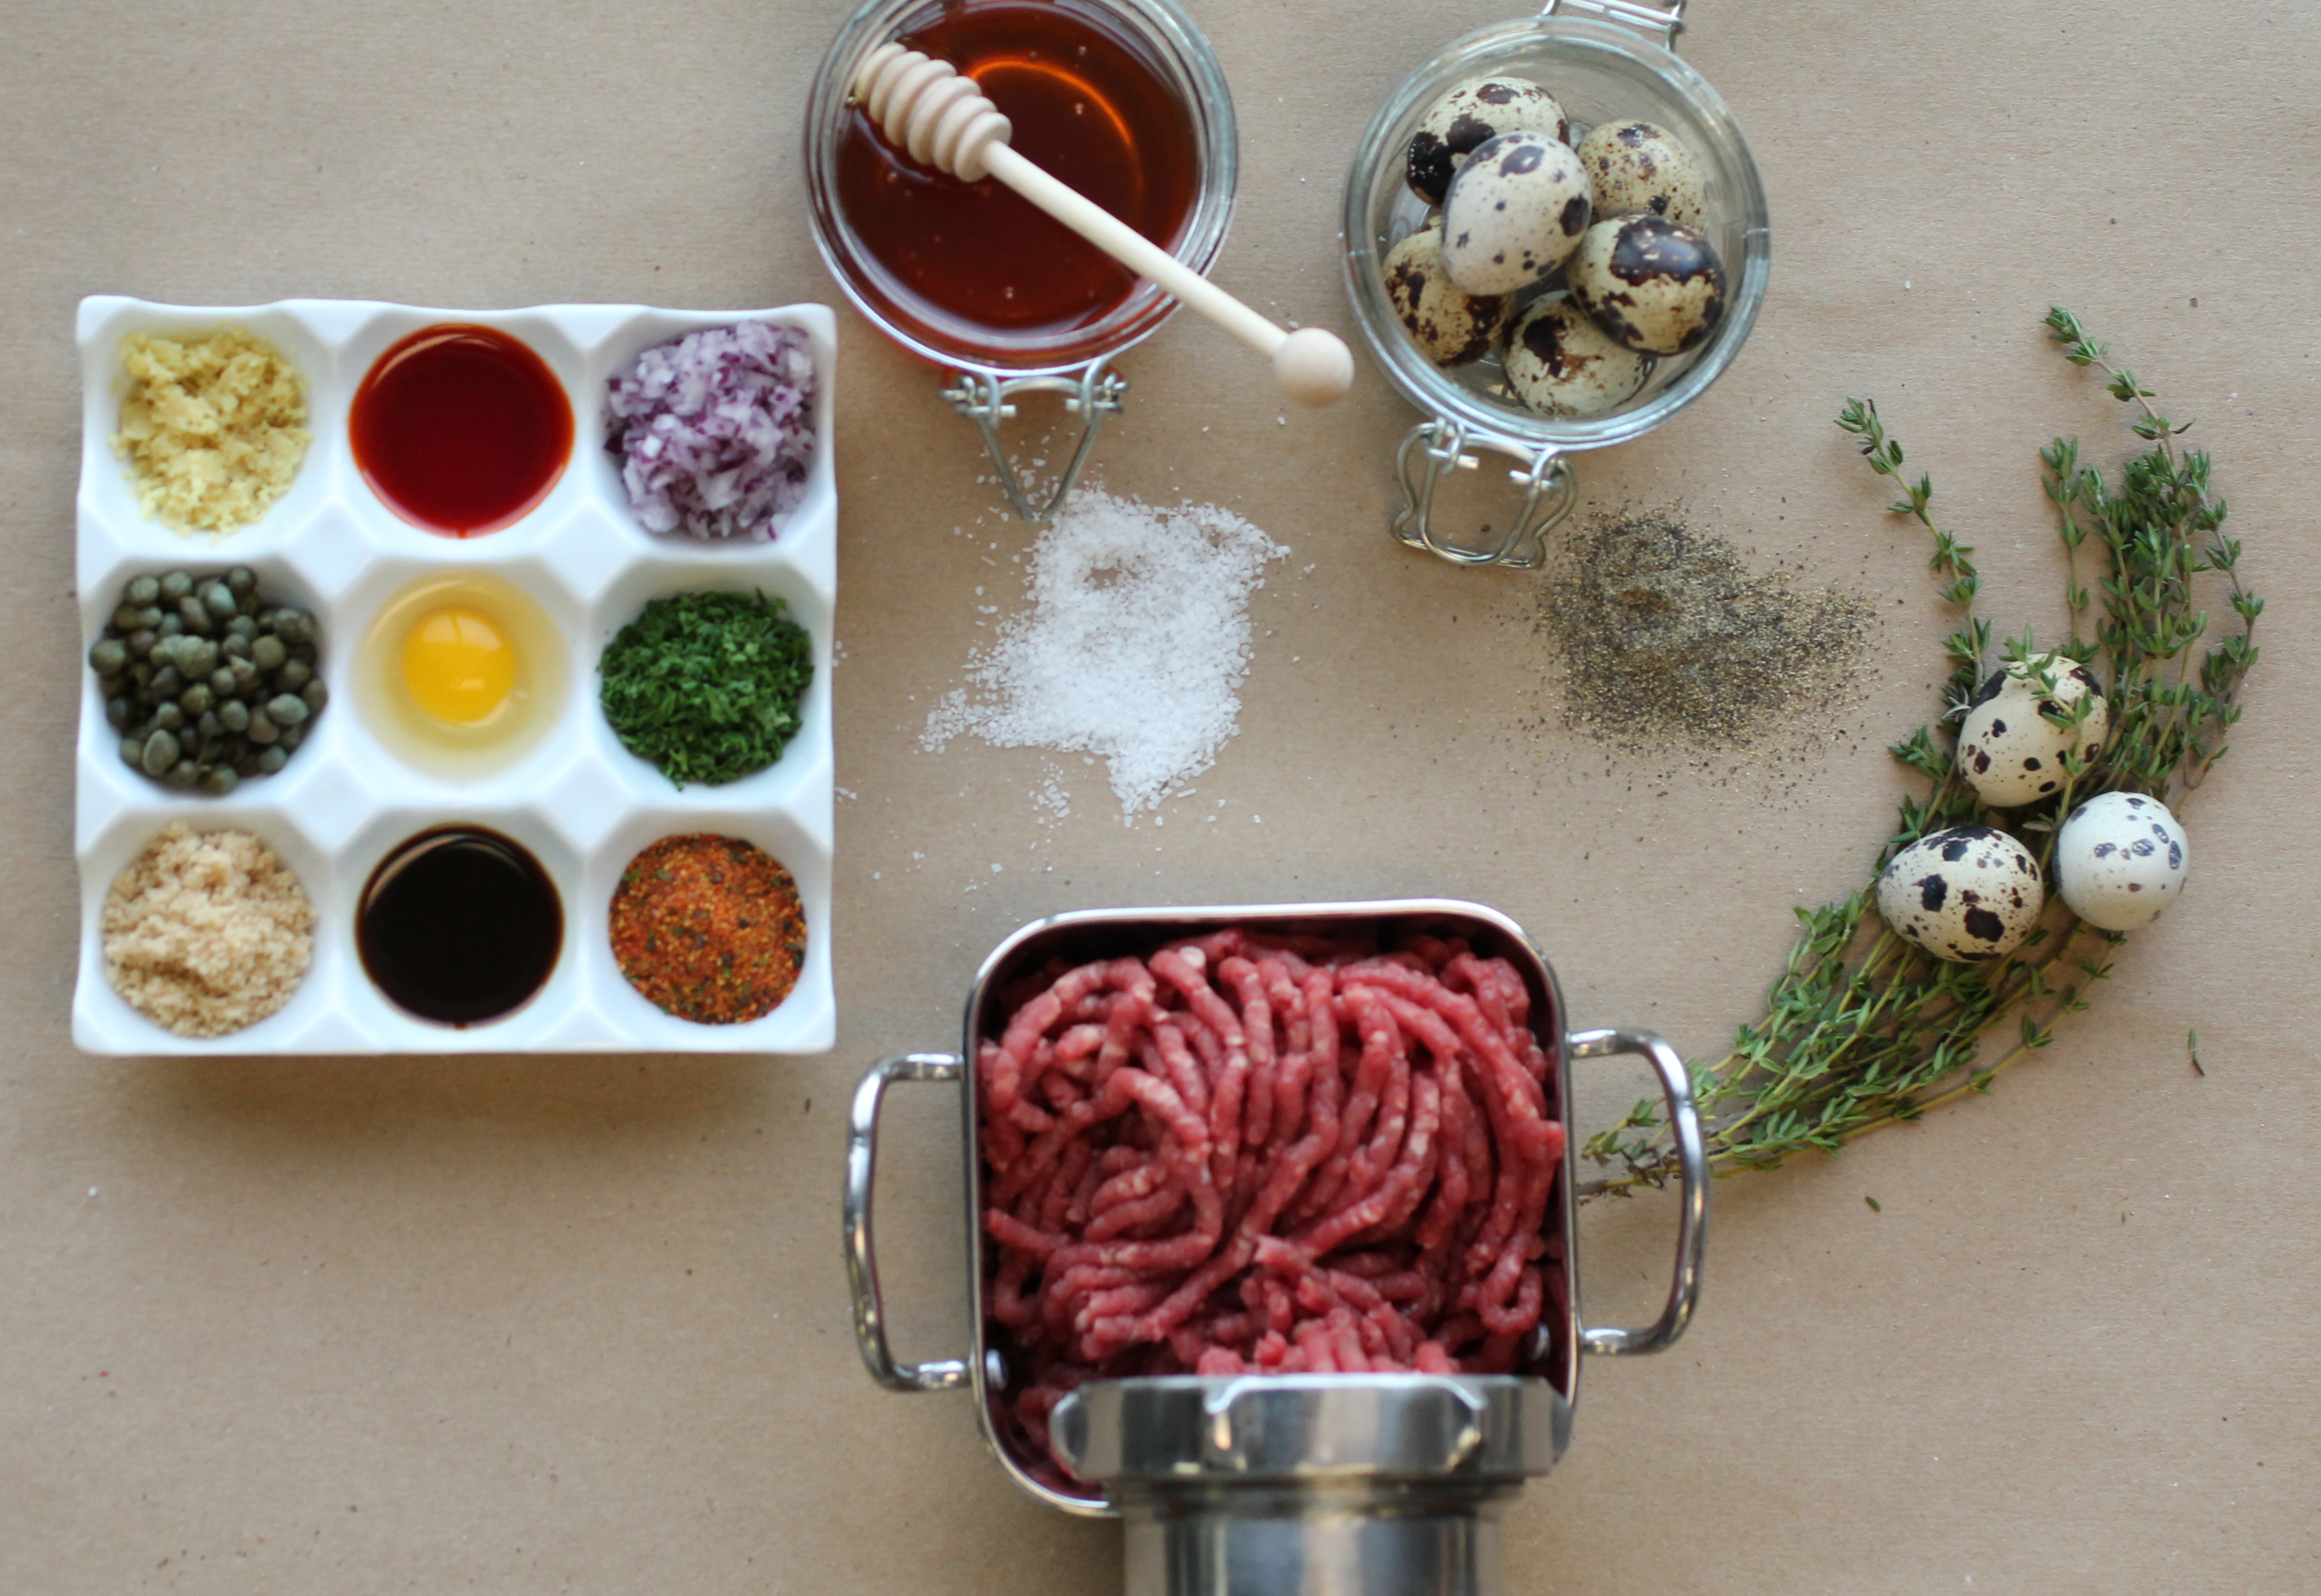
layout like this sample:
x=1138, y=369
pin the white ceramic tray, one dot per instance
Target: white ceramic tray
x=579, y=800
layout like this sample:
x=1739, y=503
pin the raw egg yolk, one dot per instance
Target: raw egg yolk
x=459, y=665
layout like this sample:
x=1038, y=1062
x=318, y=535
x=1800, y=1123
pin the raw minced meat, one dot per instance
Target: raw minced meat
x=714, y=430
x=1250, y=1154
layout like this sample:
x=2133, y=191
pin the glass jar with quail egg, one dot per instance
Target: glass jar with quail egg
x=1556, y=239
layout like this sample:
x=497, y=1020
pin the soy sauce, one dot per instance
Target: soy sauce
x=460, y=429
x=1090, y=105
x=459, y=925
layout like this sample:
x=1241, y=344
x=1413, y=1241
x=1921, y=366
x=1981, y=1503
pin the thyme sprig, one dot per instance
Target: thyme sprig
x=1862, y=1030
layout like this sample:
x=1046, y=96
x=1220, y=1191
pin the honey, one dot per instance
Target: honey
x=1089, y=103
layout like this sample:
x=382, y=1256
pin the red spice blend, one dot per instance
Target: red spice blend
x=709, y=928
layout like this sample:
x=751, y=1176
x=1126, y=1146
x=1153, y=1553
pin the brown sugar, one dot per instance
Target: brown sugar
x=206, y=932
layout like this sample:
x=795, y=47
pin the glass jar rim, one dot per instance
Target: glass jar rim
x=1435, y=391
x=1198, y=78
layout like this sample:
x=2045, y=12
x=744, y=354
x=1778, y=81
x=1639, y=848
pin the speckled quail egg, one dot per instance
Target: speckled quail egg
x=2120, y=859
x=1652, y=284
x=1514, y=211
x=2008, y=750
x=1967, y=893
x=1451, y=325
x=1560, y=364
x=1640, y=167
x=1469, y=116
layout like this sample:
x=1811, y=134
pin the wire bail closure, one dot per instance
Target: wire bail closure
x=1668, y=22
x=1550, y=490
x=983, y=398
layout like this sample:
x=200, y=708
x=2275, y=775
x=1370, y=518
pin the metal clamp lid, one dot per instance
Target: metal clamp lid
x=982, y=397
x=1438, y=446
x=1668, y=23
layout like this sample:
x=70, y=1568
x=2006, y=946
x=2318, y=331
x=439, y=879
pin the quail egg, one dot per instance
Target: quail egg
x=1652, y=284
x=2119, y=860
x=1451, y=325
x=2008, y=750
x=1560, y=364
x=1471, y=115
x=1971, y=893
x=1639, y=167
x=1514, y=211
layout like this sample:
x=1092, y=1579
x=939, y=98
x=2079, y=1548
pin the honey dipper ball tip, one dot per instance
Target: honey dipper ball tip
x=1314, y=367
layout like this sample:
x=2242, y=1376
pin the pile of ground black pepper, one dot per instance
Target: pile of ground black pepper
x=1667, y=636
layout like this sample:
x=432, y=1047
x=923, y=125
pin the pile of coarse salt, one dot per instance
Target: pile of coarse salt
x=1134, y=649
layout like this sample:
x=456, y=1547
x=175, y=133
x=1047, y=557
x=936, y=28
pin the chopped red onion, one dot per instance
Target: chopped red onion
x=714, y=430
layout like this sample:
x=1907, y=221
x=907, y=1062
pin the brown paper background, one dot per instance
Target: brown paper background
x=552, y=1324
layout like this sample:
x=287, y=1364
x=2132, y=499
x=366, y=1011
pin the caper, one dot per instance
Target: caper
x=292, y=736
x=233, y=715
x=293, y=674
x=133, y=752
x=142, y=590
x=286, y=709
x=200, y=659
x=192, y=616
x=160, y=753
x=148, y=615
x=267, y=653
x=196, y=699
x=158, y=655
x=270, y=760
x=117, y=712
x=316, y=695
x=124, y=619
x=222, y=682
x=220, y=781
x=172, y=626
x=294, y=625
x=169, y=716
x=167, y=682
x=244, y=626
x=183, y=775
x=140, y=642
x=210, y=727
x=110, y=656
x=236, y=647
x=262, y=729
x=245, y=674
x=218, y=599
x=240, y=580
x=176, y=584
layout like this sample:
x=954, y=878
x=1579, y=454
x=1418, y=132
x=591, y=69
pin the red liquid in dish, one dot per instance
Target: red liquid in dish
x=460, y=429
x=1089, y=105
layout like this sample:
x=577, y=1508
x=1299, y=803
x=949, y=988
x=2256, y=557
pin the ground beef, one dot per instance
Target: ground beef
x=1248, y=1154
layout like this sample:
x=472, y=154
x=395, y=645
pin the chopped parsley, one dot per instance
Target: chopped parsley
x=706, y=685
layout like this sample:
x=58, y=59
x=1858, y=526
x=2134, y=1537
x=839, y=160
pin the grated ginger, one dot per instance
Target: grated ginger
x=212, y=428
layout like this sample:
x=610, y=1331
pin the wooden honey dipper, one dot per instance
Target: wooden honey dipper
x=942, y=120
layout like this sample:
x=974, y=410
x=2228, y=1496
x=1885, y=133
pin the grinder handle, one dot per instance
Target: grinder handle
x=1692, y=1162
x=861, y=1259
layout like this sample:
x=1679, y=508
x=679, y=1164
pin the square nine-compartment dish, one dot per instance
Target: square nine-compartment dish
x=351, y=795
